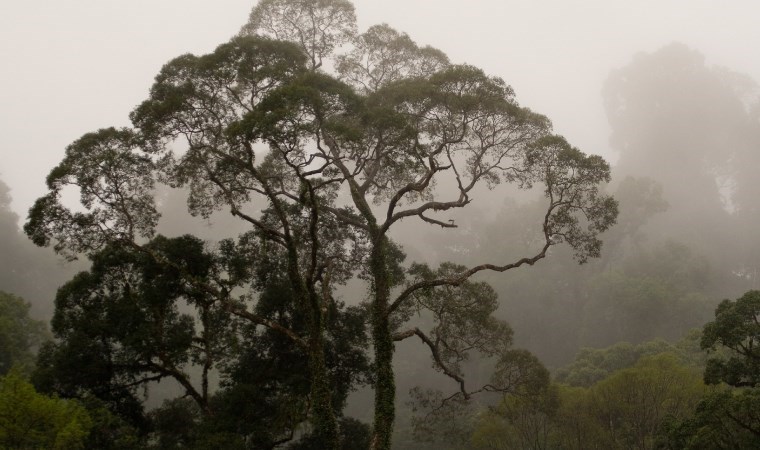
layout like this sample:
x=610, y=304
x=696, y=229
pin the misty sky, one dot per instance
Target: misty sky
x=68, y=67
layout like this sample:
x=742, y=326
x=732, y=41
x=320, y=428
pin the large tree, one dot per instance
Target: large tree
x=323, y=167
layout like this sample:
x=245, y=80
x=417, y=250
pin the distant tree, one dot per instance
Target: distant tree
x=518, y=422
x=12, y=247
x=641, y=200
x=577, y=427
x=642, y=288
x=593, y=365
x=27, y=271
x=624, y=410
x=657, y=290
x=634, y=403
x=31, y=420
x=8, y=219
x=675, y=117
x=20, y=336
x=652, y=106
x=335, y=163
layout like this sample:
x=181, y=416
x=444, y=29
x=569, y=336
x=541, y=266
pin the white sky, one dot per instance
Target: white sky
x=68, y=67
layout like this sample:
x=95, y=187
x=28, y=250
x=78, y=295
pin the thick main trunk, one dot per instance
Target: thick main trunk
x=322, y=415
x=385, y=385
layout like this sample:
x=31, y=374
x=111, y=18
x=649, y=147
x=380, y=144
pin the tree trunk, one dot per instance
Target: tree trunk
x=385, y=385
x=322, y=415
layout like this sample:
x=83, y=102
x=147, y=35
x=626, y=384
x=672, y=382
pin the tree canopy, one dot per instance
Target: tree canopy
x=31, y=420
x=323, y=166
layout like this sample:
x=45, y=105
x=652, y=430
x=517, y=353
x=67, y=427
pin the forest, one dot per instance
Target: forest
x=321, y=237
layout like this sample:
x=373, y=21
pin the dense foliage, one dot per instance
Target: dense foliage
x=727, y=417
x=31, y=420
x=321, y=167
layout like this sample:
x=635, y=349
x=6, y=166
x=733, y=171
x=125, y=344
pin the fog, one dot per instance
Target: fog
x=72, y=67
x=665, y=91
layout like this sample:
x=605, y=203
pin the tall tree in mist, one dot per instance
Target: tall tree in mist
x=323, y=168
x=688, y=136
x=20, y=336
x=25, y=270
x=693, y=128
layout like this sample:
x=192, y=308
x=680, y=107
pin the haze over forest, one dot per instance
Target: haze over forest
x=667, y=94
x=80, y=66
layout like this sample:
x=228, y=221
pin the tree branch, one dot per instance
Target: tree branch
x=436, y=356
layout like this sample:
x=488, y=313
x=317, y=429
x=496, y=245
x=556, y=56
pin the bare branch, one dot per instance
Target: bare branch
x=436, y=356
